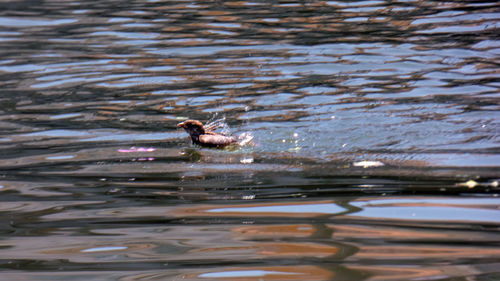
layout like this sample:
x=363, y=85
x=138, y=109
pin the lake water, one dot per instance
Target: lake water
x=375, y=154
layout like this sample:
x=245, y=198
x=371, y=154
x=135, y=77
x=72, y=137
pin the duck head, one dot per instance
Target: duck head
x=193, y=127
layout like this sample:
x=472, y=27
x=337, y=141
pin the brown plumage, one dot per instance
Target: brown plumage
x=203, y=136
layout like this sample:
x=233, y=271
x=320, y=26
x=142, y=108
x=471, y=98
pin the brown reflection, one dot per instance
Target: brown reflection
x=382, y=273
x=283, y=210
x=291, y=230
x=424, y=252
x=266, y=250
x=362, y=232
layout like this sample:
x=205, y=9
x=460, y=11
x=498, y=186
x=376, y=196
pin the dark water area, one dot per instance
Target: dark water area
x=375, y=152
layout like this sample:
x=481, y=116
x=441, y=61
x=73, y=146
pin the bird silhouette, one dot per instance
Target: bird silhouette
x=203, y=136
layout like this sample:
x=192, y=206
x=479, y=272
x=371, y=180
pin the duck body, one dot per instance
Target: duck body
x=205, y=138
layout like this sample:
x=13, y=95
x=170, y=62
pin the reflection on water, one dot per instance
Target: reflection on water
x=375, y=128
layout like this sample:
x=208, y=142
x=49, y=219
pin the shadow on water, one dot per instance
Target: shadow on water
x=375, y=153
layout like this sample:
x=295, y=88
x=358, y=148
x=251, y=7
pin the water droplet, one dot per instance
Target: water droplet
x=246, y=160
x=468, y=184
x=366, y=164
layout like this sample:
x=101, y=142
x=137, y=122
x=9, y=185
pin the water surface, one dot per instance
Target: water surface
x=375, y=153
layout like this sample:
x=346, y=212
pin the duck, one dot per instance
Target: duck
x=204, y=136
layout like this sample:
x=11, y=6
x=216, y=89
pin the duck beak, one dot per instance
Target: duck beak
x=181, y=125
